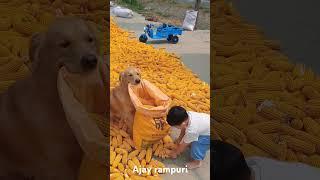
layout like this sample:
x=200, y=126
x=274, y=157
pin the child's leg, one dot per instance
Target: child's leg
x=198, y=151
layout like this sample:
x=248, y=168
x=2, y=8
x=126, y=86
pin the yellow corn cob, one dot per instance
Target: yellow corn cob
x=313, y=111
x=275, y=137
x=310, y=92
x=233, y=142
x=155, y=146
x=226, y=130
x=10, y=67
x=124, y=134
x=258, y=71
x=251, y=150
x=222, y=115
x=131, y=164
x=129, y=141
x=133, y=154
x=114, y=170
x=143, y=163
x=265, y=86
x=302, y=157
x=314, y=102
x=159, y=149
x=314, y=160
x=156, y=163
x=263, y=142
x=299, y=145
x=153, y=177
x=311, y=126
x=142, y=154
x=289, y=109
x=232, y=100
x=119, y=139
x=296, y=124
x=167, y=139
x=148, y=154
x=114, y=142
x=121, y=167
x=136, y=161
x=4, y=52
x=224, y=81
x=259, y=97
x=266, y=127
x=281, y=66
x=291, y=156
x=115, y=175
x=135, y=177
x=112, y=156
x=124, y=159
x=272, y=114
x=257, y=118
x=300, y=135
x=117, y=160
x=121, y=151
x=227, y=91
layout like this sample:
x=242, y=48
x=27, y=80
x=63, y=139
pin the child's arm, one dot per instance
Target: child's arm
x=180, y=148
x=182, y=133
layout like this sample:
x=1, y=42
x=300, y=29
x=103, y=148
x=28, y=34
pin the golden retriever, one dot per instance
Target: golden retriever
x=35, y=137
x=121, y=107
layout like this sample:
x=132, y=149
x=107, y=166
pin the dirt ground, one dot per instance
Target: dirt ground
x=173, y=11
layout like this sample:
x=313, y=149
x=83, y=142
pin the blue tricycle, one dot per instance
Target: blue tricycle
x=163, y=31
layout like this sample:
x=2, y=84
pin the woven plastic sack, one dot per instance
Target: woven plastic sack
x=82, y=95
x=122, y=12
x=190, y=20
x=151, y=105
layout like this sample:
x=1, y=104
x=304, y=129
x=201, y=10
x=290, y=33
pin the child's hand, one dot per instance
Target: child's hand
x=172, y=154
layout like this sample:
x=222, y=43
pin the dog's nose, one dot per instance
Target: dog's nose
x=137, y=81
x=89, y=61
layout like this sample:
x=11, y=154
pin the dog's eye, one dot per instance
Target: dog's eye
x=138, y=74
x=130, y=74
x=64, y=44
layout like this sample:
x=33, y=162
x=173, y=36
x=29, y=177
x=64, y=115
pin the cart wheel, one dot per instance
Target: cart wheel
x=175, y=39
x=169, y=37
x=143, y=38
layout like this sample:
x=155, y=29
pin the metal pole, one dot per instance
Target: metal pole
x=196, y=8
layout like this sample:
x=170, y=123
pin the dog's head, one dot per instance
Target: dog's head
x=68, y=42
x=130, y=75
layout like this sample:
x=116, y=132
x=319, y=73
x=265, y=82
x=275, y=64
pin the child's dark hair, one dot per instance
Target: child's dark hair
x=176, y=116
x=228, y=162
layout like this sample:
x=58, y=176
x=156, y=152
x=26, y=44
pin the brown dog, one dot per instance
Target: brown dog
x=35, y=138
x=120, y=103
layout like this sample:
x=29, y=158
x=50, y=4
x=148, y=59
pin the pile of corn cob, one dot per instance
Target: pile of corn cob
x=124, y=158
x=262, y=103
x=163, y=69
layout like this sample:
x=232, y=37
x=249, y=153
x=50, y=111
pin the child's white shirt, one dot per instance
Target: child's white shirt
x=270, y=169
x=199, y=124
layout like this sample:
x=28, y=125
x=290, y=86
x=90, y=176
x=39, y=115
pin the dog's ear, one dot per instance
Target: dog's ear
x=34, y=46
x=138, y=70
x=121, y=76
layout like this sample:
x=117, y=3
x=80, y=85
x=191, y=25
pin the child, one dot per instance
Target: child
x=195, y=131
x=230, y=164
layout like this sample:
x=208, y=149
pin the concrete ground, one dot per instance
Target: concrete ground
x=194, y=49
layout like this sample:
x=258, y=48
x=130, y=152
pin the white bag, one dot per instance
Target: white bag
x=190, y=20
x=122, y=12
